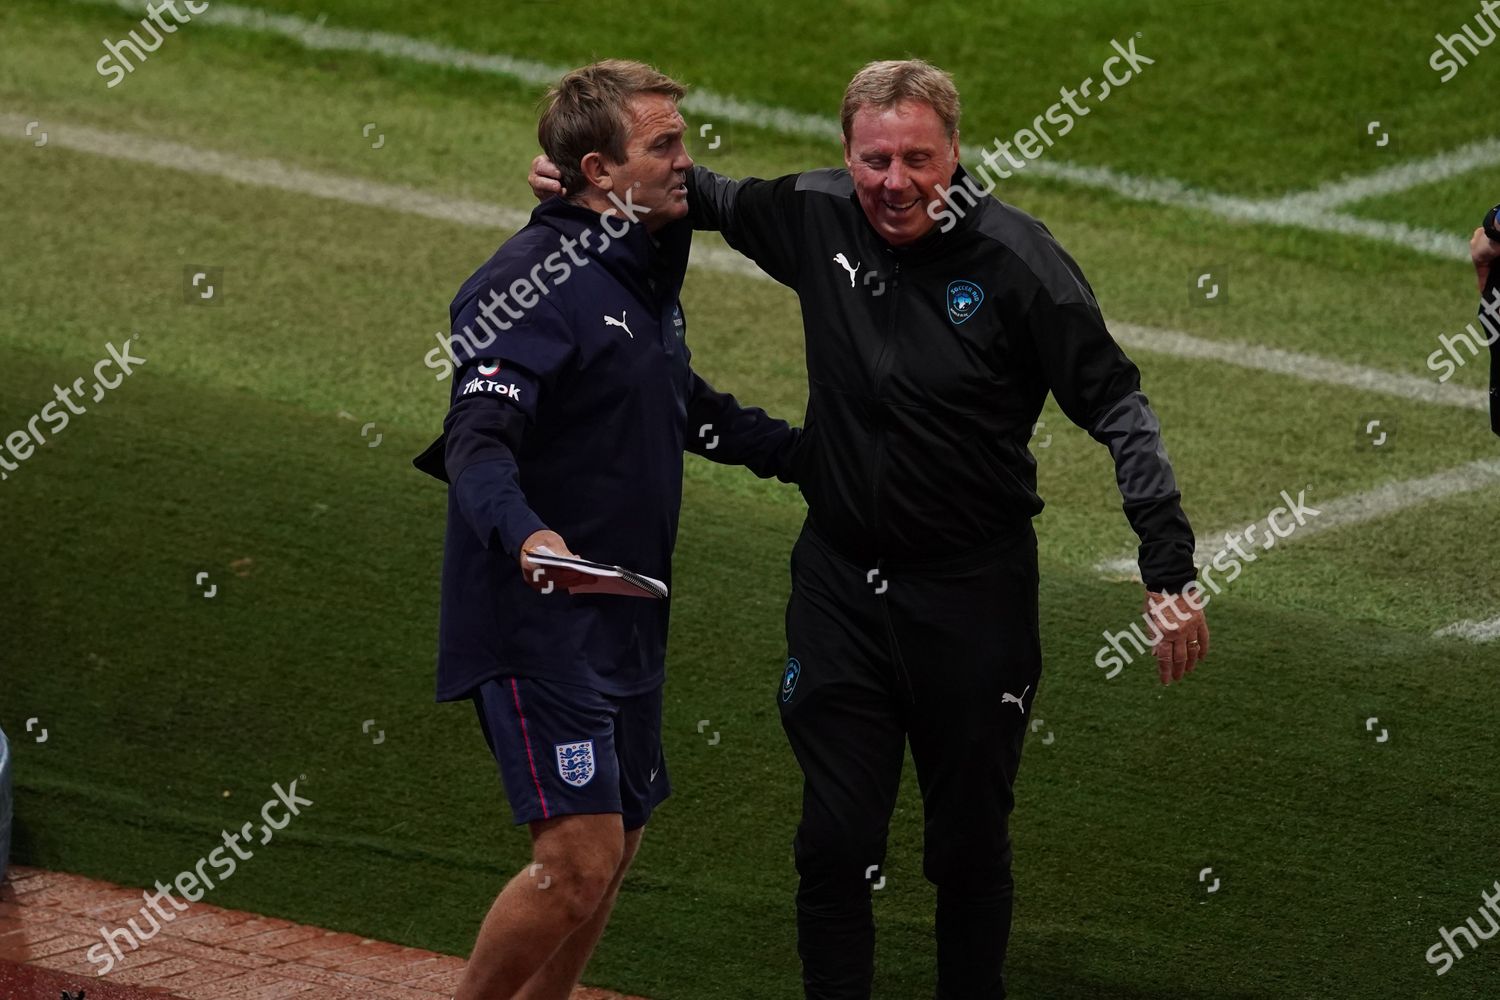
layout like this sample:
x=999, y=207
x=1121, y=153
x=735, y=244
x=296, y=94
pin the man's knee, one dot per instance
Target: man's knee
x=837, y=850
x=977, y=865
x=576, y=858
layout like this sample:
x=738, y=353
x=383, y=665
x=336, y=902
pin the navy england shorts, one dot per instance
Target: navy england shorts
x=565, y=750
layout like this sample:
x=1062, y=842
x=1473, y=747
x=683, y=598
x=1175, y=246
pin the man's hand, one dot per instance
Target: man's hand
x=545, y=179
x=1482, y=250
x=1184, y=635
x=549, y=578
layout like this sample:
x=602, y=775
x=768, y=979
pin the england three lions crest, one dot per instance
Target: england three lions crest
x=575, y=762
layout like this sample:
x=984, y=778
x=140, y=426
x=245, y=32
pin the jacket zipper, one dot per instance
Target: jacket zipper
x=881, y=367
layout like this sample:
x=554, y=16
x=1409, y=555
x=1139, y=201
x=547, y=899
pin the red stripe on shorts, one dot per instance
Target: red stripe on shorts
x=516, y=693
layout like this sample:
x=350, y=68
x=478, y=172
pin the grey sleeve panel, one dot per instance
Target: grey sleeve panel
x=1153, y=504
x=1133, y=435
x=712, y=199
x=832, y=180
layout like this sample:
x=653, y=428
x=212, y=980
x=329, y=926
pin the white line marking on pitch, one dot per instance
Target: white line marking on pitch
x=1304, y=210
x=1398, y=178
x=1471, y=630
x=1276, y=212
x=1341, y=512
x=1294, y=364
x=269, y=173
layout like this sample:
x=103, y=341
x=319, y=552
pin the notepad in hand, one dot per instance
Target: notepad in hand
x=607, y=579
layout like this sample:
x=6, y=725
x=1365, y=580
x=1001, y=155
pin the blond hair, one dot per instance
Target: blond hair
x=884, y=84
x=588, y=111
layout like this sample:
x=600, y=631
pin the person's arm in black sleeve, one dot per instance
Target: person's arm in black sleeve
x=723, y=431
x=1152, y=502
x=759, y=218
x=1099, y=389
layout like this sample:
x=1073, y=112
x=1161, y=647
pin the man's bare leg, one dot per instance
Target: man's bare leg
x=556, y=979
x=580, y=858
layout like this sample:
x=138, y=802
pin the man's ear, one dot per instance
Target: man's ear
x=596, y=171
x=955, y=145
x=848, y=156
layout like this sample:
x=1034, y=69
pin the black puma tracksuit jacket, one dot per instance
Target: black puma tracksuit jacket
x=928, y=366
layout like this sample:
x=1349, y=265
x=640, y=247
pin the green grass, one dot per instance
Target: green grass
x=171, y=715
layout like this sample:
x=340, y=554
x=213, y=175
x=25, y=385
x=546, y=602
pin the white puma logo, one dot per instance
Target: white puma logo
x=611, y=321
x=843, y=262
x=1006, y=696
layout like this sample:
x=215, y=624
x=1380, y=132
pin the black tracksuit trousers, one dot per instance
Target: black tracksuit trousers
x=947, y=655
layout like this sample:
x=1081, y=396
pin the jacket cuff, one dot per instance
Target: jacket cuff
x=1167, y=566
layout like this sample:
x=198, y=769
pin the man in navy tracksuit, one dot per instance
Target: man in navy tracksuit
x=571, y=409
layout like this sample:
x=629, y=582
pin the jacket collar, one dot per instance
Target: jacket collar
x=651, y=266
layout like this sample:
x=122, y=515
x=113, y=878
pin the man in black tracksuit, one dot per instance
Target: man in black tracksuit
x=913, y=613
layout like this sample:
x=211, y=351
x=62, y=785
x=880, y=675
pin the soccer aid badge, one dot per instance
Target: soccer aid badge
x=964, y=299
x=575, y=762
x=789, y=679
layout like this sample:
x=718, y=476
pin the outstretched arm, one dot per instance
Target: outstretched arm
x=759, y=218
x=723, y=431
x=493, y=403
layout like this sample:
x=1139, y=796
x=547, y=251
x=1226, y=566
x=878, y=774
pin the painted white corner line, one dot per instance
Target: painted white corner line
x=1297, y=365
x=1340, y=512
x=1398, y=177
x=1486, y=631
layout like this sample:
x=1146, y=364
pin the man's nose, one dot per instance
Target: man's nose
x=895, y=177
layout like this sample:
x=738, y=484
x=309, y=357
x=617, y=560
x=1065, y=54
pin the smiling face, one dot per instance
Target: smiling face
x=898, y=156
x=656, y=161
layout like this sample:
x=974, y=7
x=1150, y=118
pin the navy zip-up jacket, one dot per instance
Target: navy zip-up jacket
x=571, y=408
